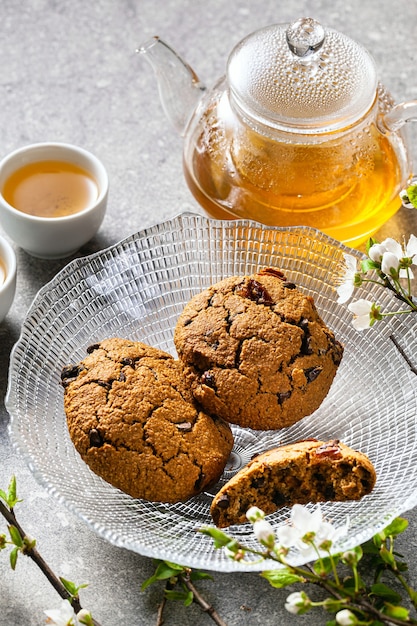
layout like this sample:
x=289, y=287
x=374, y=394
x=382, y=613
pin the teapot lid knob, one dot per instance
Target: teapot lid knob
x=305, y=36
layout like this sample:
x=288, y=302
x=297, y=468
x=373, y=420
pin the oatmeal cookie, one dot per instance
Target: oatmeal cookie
x=306, y=471
x=256, y=351
x=135, y=423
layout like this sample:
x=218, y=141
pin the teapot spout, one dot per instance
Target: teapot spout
x=179, y=87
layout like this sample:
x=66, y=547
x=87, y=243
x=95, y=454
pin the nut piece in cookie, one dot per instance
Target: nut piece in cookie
x=306, y=471
x=135, y=423
x=256, y=351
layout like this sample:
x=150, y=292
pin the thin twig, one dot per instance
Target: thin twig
x=159, y=617
x=403, y=354
x=33, y=553
x=208, y=608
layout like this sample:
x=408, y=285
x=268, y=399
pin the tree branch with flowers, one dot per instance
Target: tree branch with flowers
x=352, y=599
x=387, y=264
x=70, y=612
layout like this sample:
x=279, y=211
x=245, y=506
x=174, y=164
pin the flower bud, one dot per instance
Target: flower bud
x=346, y=618
x=297, y=602
x=85, y=617
x=253, y=514
x=375, y=252
x=390, y=264
x=264, y=533
x=351, y=557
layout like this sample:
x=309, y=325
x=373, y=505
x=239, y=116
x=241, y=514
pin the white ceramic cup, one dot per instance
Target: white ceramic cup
x=53, y=237
x=7, y=277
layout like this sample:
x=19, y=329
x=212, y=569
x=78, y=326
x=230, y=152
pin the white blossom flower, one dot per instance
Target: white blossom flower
x=362, y=310
x=345, y=618
x=253, y=514
x=375, y=252
x=390, y=264
x=297, y=602
x=390, y=253
x=346, y=288
x=306, y=527
x=264, y=533
x=411, y=249
x=64, y=616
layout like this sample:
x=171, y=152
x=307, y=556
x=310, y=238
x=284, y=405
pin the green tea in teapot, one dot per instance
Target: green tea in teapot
x=346, y=187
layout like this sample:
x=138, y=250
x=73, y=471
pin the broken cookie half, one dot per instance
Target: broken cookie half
x=302, y=472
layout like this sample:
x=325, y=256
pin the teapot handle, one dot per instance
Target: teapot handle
x=398, y=116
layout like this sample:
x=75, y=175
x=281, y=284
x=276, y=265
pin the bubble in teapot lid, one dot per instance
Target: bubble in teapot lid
x=302, y=77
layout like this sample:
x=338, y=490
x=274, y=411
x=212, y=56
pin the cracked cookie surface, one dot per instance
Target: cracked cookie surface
x=135, y=423
x=256, y=351
x=306, y=471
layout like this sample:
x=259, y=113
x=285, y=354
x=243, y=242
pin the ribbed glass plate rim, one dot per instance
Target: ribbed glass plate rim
x=190, y=223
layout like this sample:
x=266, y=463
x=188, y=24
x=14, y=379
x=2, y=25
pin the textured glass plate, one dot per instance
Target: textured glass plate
x=137, y=289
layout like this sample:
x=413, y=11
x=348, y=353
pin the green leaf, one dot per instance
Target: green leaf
x=371, y=241
x=368, y=265
x=13, y=557
x=398, y=612
x=412, y=194
x=10, y=498
x=71, y=587
x=279, y=578
x=413, y=596
x=385, y=592
x=397, y=526
x=172, y=594
x=220, y=538
x=15, y=536
x=174, y=566
x=189, y=599
x=164, y=571
x=386, y=556
x=197, y=575
x=12, y=489
x=323, y=567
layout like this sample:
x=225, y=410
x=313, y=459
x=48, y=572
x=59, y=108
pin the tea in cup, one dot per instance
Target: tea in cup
x=53, y=198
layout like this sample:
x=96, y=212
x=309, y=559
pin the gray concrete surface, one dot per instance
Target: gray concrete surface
x=69, y=72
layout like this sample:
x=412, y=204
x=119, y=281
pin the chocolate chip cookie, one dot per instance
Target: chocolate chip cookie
x=307, y=471
x=134, y=421
x=256, y=351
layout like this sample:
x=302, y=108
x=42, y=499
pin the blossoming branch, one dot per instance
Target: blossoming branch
x=387, y=264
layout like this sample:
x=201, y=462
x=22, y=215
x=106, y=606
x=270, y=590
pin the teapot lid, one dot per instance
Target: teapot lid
x=302, y=77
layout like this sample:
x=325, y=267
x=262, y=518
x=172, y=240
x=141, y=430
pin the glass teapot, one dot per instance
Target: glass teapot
x=298, y=132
